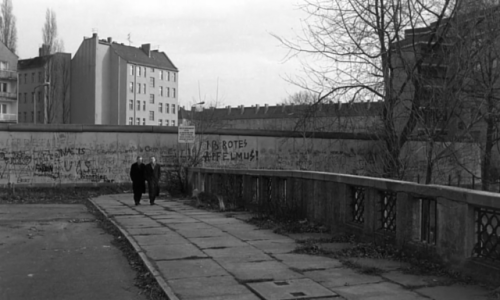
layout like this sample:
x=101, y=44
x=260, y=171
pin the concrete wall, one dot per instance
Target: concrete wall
x=74, y=154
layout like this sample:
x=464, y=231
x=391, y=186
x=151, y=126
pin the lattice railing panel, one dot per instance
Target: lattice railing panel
x=487, y=234
x=388, y=211
x=357, y=204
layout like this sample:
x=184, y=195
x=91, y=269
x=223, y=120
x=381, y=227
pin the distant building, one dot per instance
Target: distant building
x=357, y=117
x=8, y=85
x=44, y=88
x=115, y=84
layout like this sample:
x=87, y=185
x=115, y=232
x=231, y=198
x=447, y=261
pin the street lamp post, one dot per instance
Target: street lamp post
x=44, y=104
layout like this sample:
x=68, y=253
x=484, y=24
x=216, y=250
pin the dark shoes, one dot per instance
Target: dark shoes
x=152, y=203
x=137, y=203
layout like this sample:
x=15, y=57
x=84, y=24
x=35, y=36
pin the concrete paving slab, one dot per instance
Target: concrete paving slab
x=413, y=281
x=291, y=289
x=336, y=277
x=305, y=262
x=177, y=221
x=377, y=291
x=217, y=242
x=236, y=227
x=171, y=239
x=176, y=251
x=221, y=220
x=150, y=231
x=255, y=235
x=238, y=297
x=190, y=268
x=383, y=264
x=202, y=232
x=187, y=226
x=275, y=246
x=242, y=254
x=334, y=247
x=262, y=270
x=206, y=287
x=454, y=292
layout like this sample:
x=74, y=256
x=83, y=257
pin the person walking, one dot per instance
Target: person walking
x=153, y=178
x=138, y=181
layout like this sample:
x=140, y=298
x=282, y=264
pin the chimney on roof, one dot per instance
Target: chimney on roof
x=44, y=50
x=147, y=49
x=94, y=35
x=229, y=109
x=110, y=40
x=266, y=108
x=257, y=108
x=283, y=107
x=242, y=107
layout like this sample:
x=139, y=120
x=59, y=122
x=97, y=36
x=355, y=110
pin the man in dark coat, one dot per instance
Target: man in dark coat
x=138, y=180
x=153, y=178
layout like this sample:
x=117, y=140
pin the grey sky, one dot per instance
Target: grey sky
x=225, y=40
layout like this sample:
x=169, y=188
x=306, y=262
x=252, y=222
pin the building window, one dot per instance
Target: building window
x=161, y=75
x=131, y=70
x=151, y=115
x=32, y=97
x=152, y=98
x=144, y=87
x=173, y=109
x=173, y=92
x=173, y=121
x=138, y=121
x=25, y=117
x=26, y=78
x=144, y=105
x=160, y=107
x=161, y=91
x=168, y=76
x=166, y=122
x=152, y=70
x=19, y=97
x=3, y=87
x=25, y=98
x=131, y=105
x=167, y=108
x=151, y=81
x=4, y=65
x=140, y=71
x=138, y=88
x=39, y=116
x=32, y=77
x=40, y=77
x=139, y=106
x=144, y=71
x=39, y=97
x=131, y=87
x=130, y=121
x=168, y=92
x=32, y=117
x=175, y=77
x=143, y=121
x=160, y=122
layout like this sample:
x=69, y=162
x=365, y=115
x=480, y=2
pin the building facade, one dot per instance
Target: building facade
x=44, y=88
x=8, y=85
x=115, y=84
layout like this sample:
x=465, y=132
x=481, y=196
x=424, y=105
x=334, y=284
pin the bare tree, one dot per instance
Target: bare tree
x=50, y=33
x=361, y=54
x=8, y=30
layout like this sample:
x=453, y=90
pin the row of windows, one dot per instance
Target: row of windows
x=160, y=106
x=33, y=78
x=25, y=114
x=141, y=89
x=160, y=121
x=32, y=97
x=141, y=72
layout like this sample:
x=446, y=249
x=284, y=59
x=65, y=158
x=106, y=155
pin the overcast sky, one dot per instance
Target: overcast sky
x=225, y=40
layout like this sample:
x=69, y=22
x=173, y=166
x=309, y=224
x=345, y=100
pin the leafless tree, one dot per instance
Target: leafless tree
x=50, y=33
x=8, y=28
x=360, y=54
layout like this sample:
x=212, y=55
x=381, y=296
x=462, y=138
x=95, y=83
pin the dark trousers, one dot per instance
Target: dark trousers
x=137, y=196
x=153, y=191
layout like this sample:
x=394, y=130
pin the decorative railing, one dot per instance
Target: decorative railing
x=459, y=224
x=8, y=117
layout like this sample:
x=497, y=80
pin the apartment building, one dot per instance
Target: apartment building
x=116, y=84
x=44, y=88
x=8, y=85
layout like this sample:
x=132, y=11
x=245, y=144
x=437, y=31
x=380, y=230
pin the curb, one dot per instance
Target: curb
x=159, y=279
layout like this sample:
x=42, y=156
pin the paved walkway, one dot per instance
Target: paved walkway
x=197, y=254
